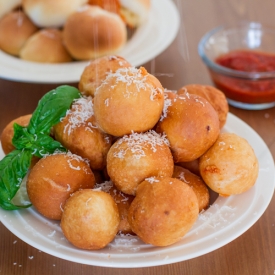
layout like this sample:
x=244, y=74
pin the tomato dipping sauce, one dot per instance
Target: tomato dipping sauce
x=253, y=90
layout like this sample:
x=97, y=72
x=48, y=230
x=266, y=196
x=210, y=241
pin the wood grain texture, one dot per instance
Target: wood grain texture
x=251, y=253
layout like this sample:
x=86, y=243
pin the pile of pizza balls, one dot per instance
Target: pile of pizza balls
x=141, y=159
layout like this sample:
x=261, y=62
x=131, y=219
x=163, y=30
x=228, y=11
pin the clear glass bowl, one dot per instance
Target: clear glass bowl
x=246, y=90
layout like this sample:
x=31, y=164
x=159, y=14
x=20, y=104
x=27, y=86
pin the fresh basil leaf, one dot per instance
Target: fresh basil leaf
x=10, y=206
x=13, y=168
x=33, y=140
x=46, y=145
x=22, y=138
x=51, y=108
x=39, y=144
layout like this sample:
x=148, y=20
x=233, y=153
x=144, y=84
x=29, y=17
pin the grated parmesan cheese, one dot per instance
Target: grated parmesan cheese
x=81, y=111
x=132, y=76
x=167, y=103
x=182, y=177
x=105, y=186
x=137, y=141
x=152, y=180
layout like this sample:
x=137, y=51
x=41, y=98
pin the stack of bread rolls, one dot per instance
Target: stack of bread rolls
x=50, y=31
x=141, y=159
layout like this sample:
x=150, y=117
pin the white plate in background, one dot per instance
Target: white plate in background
x=224, y=221
x=150, y=39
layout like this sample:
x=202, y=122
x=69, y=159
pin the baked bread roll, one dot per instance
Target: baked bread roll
x=163, y=211
x=97, y=70
x=53, y=179
x=7, y=6
x=50, y=13
x=45, y=46
x=15, y=29
x=90, y=219
x=230, y=166
x=92, y=32
x=129, y=100
x=109, y=5
x=135, y=12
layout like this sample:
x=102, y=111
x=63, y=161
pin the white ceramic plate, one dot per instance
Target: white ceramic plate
x=223, y=222
x=150, y=39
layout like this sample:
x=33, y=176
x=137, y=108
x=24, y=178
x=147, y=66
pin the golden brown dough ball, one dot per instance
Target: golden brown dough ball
x=15, y=29
x=8, y=132
x=79, y=133
x=45, y=46
x=96, y=72
x=90, y=219
x=197, y=184
x=129, y=100
x=53, y=179
x=230, y=166
x=91, y=32
x=123, y=202
x=163, y=211
x=192, y=166
x=134, y=158
x=191, y=125
x=215, y=97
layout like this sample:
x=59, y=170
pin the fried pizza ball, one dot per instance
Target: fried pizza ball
x=123, y=202
x=214, y=96
x=96, y=72
x=53, y=179
x=78, y=132
x=230, y=166
x=138, y=156
x=8, y=132
x=197, y=184
x=192, y=166
x=191, y=125
x=163, y=211
x=90, y=219
x=129, y=100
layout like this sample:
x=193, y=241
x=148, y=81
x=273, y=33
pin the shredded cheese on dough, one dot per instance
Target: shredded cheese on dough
x=182, y=177
x=152, y=180
x=167, y=103
x=132, y=76
x=137, y=141
x=81, y=111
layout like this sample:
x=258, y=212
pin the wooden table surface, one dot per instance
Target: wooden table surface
x=251, y=253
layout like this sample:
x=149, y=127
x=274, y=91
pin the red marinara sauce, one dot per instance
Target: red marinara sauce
x=247, y=90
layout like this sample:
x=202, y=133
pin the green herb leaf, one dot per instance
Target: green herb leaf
x=46, y=145
x=51, y=108
x=32, y=140
x=13, y=168
x=39, y=144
